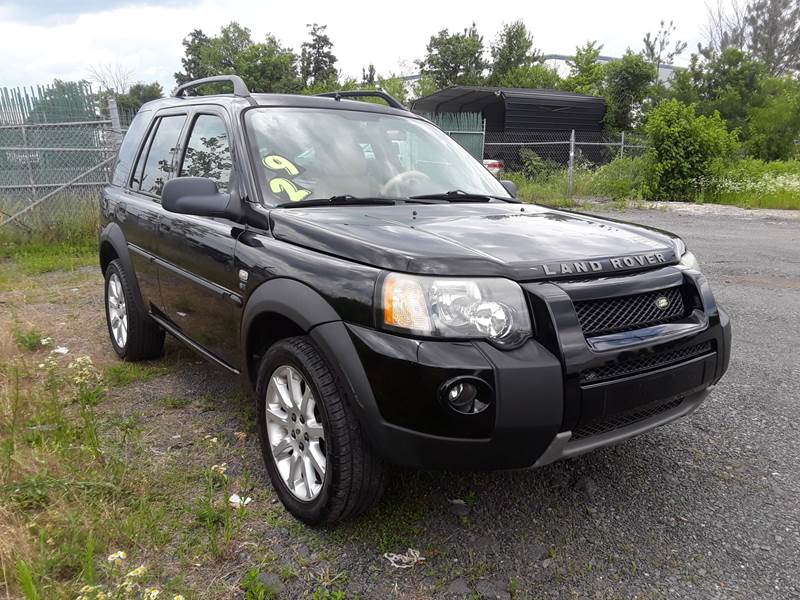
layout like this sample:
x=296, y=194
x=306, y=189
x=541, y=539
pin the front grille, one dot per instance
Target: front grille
x=626, y=313
x=619, y=421
x=644, y=363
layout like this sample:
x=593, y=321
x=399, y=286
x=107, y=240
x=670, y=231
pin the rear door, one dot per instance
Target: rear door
x=197, y=275
x=138, y=210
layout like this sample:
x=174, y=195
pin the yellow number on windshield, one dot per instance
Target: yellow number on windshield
x=276, y=163
x=279, y=184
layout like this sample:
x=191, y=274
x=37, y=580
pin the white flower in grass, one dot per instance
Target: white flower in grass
x=137, y=572
x=178, y=597
x=219, y=469
x=237, y=501
x=151, y=594
x=117, y=557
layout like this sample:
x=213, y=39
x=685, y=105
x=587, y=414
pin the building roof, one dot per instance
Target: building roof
x=463, y=98
x=523, y=108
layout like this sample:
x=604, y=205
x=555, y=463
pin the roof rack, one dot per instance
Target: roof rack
x=390, y=100
x=239, y=86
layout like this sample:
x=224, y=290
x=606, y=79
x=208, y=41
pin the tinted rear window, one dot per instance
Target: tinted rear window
x=127, y=151
x=159, y=165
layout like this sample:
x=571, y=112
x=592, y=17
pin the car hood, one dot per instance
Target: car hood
x=521, y=242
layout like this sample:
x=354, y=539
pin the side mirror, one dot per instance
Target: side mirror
x=510, y=186
x=199, y=196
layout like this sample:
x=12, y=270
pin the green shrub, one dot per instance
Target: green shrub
x=682, y=149
x=621, y=179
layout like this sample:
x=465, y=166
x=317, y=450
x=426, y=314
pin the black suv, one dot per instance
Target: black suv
x=386, y=298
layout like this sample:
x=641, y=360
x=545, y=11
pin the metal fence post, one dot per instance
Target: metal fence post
x=483, y=141
x=571, y=165
x=116, y=123
x=622, y=146
x=27, y=154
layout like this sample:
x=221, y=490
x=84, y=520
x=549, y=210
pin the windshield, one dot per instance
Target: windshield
x=307, y=154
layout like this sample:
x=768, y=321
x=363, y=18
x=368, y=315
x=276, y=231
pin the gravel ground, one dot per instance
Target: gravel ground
x=706, y=507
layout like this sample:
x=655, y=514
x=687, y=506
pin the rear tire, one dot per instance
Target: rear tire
x=354, y=476
x=134, y=335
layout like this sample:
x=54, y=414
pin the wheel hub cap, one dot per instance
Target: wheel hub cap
x=117, y=311
x=296, y=436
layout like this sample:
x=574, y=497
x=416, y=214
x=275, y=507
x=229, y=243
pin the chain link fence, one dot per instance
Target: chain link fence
x=547, y=154
x=56, y=152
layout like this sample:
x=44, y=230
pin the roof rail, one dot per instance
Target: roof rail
x=239, y=86
x=390, y=100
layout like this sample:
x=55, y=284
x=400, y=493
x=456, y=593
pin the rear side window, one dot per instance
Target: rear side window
x=127, y=150
x=160, y=155
x=208, y=153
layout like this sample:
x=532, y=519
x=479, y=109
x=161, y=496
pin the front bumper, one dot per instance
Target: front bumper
x=545, y=407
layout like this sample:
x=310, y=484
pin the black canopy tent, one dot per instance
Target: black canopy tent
x=518, y=109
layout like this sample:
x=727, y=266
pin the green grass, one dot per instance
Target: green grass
x=747, y=183
x=172, y=402
x=126, y=373
x=76, y=486
x=34, y=259
x=784, y=199
x=62, y=240
x=28, y=339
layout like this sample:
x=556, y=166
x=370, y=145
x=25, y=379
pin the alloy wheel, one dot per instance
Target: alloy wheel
x=295, y=432
x=117, y=311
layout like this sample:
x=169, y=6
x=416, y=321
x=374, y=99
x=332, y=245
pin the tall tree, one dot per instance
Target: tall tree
x=774, y=126
x=627, y=82
x=726, y=27
x=728, y=83
x=454, y=59
x=268, y=67
x=769, y=30
x=774, y=34
x=194, y=66
x=265, y=67
x=368, y=75
x=140, y=93
x=114, y=79
x=537, y=76
x=658, y=49
x=317, y=61
x=512, y=49
x=585, y=70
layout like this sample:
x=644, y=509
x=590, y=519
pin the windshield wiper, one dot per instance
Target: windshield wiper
x=349, y=200
x=343, y=200
x=462, y=196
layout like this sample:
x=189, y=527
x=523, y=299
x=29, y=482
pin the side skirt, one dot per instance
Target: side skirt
x=193, y=345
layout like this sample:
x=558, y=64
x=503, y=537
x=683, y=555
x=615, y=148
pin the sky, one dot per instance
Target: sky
x=45, y=39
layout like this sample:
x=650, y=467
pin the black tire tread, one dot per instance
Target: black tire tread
x=145, y=337
x=359, y=474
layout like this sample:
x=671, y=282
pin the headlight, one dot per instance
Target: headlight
x=687, y=258
x=690, y=260
x=489, y=308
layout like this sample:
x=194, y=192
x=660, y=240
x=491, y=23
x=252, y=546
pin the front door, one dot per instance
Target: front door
x=139, y=208
x=197, y=278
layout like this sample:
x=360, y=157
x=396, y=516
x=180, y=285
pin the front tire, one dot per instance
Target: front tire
x=134, y=335
x=319, y=461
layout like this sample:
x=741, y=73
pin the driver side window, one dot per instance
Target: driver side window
x=208, y=152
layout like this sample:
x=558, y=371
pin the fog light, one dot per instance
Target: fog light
x=466, y=395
